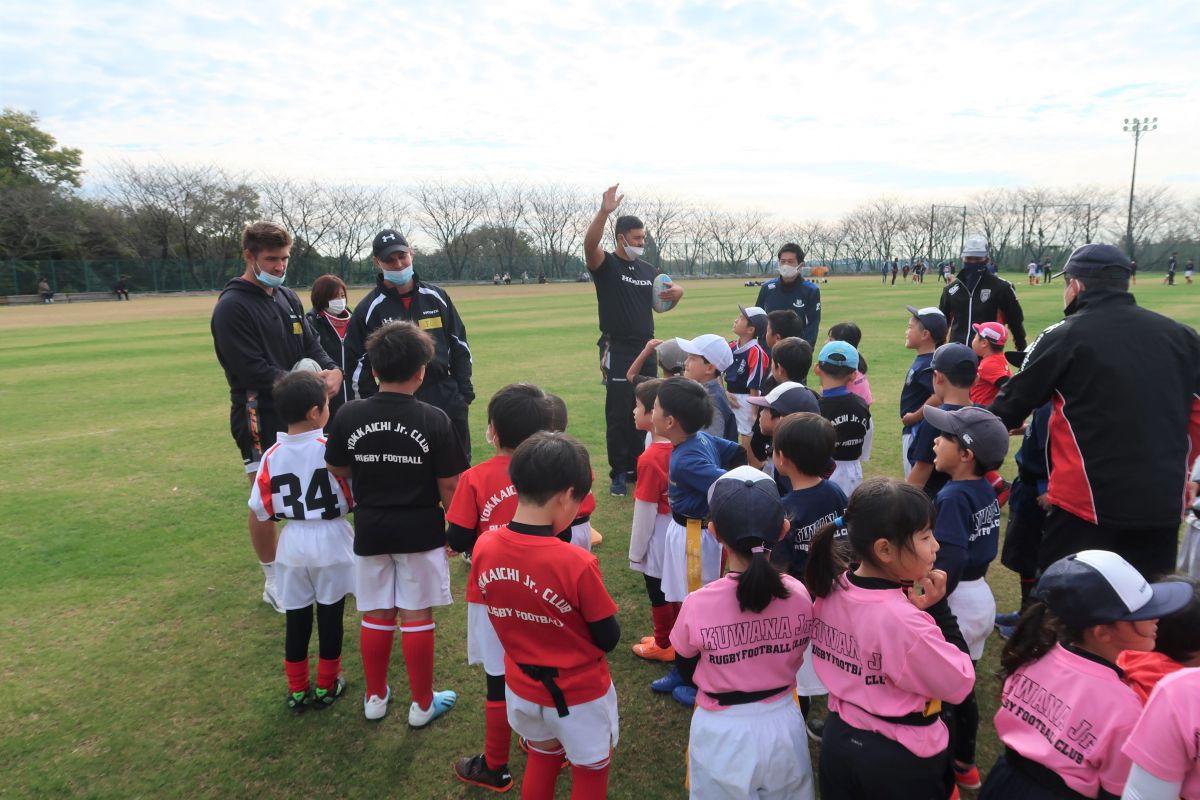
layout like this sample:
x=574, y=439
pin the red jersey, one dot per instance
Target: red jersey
x=588, y=506
x=653, y=466
x=993, y=372
x=484, y=501
x=541, y=593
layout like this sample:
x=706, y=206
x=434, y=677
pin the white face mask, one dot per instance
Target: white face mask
x=634, y=252
x=337, y=305
x=788, y=271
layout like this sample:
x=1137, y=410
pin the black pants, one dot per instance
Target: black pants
x=1151, y=550
x=625, y=442
x=329, y=629
x=458, y=414
x=1006, y=783
x=861, y=765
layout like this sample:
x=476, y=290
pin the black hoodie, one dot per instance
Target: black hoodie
x=260, y=336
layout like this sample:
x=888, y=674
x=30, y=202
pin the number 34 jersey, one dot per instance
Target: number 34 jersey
x=293, y=482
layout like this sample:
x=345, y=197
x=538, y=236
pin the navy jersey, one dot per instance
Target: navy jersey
x=808, y=510
x=850, y=416
x=967, y=528
x=696, y=463
x=750, y=367
x=801, y=296
x=1033, y=467
x=918, y=386
x=724, y=422
x=921, y=451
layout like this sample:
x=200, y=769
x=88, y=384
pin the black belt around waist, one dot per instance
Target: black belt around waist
x=1041, y=775
x=917, y=719
x=546, y=676
x=581, y=520
x=682, y=520
x=742, y=698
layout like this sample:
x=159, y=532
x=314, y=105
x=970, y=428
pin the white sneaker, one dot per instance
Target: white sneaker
x=375, y=707
x=442, y=702
x=271, y=596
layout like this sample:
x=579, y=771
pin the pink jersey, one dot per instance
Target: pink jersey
x=860, y=386
x=1071, y=713
x=741, y=651
x=877, y=653
x=1166, y=740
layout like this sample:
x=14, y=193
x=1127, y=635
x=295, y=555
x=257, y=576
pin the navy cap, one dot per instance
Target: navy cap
x=976, y=429
x=788, y=397
x=756, y=317
x=1096, y=587
x=951, y=354
x=744, y=504
x=1090, y=261
x=932, y=319
x=388, y=242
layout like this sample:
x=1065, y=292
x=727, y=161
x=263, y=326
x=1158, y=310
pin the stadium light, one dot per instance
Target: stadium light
x=1138, y=127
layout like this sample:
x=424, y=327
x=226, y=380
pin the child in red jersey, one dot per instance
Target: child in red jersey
x=1065, y=713
x=994, y=372
x=555, y=620
x=1176, y=647
x=883, y=658
x=651, y=516
x=485, y=500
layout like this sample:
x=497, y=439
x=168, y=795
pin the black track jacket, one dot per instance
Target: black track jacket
x=967, y=301
x=1124, y=387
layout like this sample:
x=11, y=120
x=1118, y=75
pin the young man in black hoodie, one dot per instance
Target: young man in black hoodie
x=259, y=332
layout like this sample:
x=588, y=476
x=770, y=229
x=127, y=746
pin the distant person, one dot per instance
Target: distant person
x=1169, y=279
x=121, y=288
x=791, y=291
x=1187, y=271
x=895, y=269
x=330, y=320
x=524, y=277
x=979, y=296
x=541, y=277
x=883, y=271
x=1133, y=268
x=507, y=279
x=45, y=291
x=1035, y=270
x=1047, y=271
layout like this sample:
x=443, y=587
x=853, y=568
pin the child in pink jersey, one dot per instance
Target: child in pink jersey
x=741, y=639
x=1165, y=745
x=1064, y=713
x=883, y=658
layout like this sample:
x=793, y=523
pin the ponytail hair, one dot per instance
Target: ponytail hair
x=761, y=582
x=880, y=508
x=1037, y=632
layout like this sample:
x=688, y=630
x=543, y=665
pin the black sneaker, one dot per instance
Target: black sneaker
x=815, y=728
x=618, y=486
x=474, y=770
x=324, y=698
x=298, y=702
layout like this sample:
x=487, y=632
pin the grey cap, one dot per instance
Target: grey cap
x=670, y=356
x=744, y=504
x=977, y=430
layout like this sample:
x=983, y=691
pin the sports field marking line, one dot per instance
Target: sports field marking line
x=60, y=437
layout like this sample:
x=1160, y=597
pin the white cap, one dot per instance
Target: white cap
x=975, y=247
x=712, y=347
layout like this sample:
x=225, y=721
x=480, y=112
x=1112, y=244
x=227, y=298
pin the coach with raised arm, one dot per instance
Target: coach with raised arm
x=260, y=333
x=1123, y=385
x=399, y=294
x=977, y=295
x=624, y=295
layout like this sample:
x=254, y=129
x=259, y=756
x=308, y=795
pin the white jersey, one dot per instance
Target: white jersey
x=293, y=482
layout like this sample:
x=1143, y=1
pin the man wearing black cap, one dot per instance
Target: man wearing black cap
x=399, y=294
x=1124, y=388
x=978, y=295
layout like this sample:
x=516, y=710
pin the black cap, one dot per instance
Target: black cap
x=1090, y=261
x=388, y=242
x=744, y=504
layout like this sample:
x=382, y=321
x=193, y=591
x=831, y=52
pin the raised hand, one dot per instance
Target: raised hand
x=611, y=200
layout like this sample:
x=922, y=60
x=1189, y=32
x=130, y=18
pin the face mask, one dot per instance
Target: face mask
x=267, y=279
x=787, y=271
x=634, y=252
x=337, y=306
x=399, y=278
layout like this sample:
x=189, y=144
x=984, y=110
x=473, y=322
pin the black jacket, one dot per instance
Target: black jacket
x=969, y=300
x=1124, y=387
x=448, y=376
x=260, y=336
x=335, y=348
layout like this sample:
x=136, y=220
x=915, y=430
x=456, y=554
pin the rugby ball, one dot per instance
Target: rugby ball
x=306, y=365
x=662, y=282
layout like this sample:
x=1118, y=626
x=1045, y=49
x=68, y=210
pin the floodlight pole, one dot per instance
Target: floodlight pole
x=1138, y=127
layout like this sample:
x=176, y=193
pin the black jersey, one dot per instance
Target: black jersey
x=850, y=416
x=396, y=447
x=624, y=295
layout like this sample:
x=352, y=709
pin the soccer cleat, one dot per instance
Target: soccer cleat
x=618, y=486
x=652, y=652
x=646, y=639
x=324, y=698
x=967, y=777
x=297, y=702
x=815, y=728
x=442, y=702
x=684, y=695
x=375, y=707
x=1008, y=620
x=271, y=596
x=667, y=683
x=474, y=770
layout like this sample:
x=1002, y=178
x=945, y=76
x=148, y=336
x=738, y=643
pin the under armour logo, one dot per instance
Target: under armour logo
x=388, y=238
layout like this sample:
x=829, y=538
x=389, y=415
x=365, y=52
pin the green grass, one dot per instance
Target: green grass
x=136, y=657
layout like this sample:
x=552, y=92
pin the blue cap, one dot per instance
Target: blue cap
x=1090, y=261
x=839, y=354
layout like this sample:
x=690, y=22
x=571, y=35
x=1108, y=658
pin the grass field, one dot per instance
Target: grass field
x=137, y=658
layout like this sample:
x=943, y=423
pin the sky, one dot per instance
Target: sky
x=798, y=109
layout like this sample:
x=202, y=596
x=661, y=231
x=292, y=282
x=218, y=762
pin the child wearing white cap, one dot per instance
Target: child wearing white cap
x=708, y=357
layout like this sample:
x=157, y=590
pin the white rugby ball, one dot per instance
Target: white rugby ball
x=306, y=365
x=662, y=282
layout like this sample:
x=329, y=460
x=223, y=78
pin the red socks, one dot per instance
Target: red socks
x=664, y=620
x=498, y=738
x=589, y=784
x=297, y=675
x=327, y=671
x=541, y=773
x=375, y=642
x=417, y=641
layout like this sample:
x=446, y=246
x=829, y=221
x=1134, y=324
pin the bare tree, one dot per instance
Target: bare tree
x=557, y=218
x=666, y=220
x=997, y=215
x=734, y=237
x=912, y=232
x=505, y=215
x=1159, y=221
x=446, y=212
x=307, y=210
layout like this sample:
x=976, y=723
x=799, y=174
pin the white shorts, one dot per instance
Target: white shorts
x=905, y=443
x=675, y=561
x=847, y=475
x=653, y=565
x=1189, y=551
x=483, y=645
x=744, y=414
x=581, y=535
x=756, y=751
x=807, y=682
x=868, y=440
x=411, y=581
x=975, y=608
x=588, y=733
x=314, y=562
